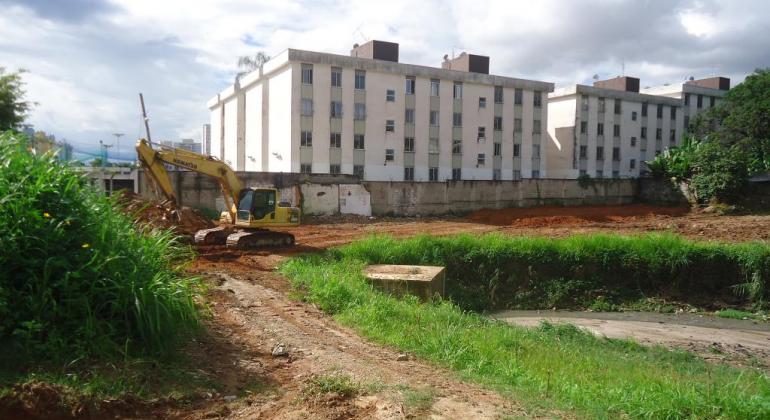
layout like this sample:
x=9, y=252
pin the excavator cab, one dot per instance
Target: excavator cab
x=254, y=204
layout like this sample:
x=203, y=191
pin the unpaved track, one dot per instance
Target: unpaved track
x=254, y=313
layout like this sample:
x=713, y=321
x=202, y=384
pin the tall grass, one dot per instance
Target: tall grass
x=551, y=366
x=496, y=271
x=78, y=277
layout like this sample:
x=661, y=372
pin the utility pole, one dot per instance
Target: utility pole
x=146, y=120
x=117, y=143
x=104, y=154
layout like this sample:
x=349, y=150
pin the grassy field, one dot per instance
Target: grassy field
x=551, y=366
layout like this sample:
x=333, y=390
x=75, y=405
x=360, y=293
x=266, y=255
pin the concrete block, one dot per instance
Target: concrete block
x=422, y=281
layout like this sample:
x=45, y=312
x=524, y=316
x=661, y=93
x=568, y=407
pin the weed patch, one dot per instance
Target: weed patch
x=341, y=385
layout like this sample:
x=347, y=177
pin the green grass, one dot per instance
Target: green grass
x=600, y=271
x=553, y=366
x=342, y=385
x=736, y=314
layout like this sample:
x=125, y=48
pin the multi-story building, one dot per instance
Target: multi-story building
x=369, y=115
x=696, y=95
x=609, y=129
x=187, y=144
x=206, y=139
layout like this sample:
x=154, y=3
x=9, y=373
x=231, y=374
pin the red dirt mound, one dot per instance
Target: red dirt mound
x=571, y=216
x=184, y=220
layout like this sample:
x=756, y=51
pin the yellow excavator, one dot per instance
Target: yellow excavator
x=251, y=210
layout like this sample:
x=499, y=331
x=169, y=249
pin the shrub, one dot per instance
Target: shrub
x=78, y=277
x=720, y=172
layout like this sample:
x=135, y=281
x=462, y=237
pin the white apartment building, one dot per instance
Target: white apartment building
x=609, y=129
x=369, y=115
x=696, y=95
x=206, y=139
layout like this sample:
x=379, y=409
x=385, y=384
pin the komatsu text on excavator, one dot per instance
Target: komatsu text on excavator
x=251, y=210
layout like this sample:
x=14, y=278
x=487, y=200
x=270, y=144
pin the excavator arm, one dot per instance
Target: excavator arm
x=153, y=160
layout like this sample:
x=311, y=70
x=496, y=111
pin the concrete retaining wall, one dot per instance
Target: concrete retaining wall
x=426, y=198
x=663, y=192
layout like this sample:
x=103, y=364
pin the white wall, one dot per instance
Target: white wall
x=216, y=131
x=231, y=132
x=253, y=120
x=560, y=146
x=282, y=147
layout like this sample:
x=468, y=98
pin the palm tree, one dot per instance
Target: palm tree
x=249, y=63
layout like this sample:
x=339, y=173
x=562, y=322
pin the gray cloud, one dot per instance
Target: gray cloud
x=74, y=11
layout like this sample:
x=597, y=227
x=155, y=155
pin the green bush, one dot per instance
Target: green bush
x=78, y=277
x=496, y=271
x=719, y=172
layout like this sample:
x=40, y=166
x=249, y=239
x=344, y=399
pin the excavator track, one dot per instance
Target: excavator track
x=213, y=236
x=260, y=238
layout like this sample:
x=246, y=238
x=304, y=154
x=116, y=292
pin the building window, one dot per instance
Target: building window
x=632, y=163
x=686, y=123
x=516, y=150
x=660, y=111
x=518, y=97
x=306, y=139
x=457, y=147
x=434, y=87
x=615, y=174
x=481, y=159
x=712, y=101
x=360, y=80
x=633, y=141
x=536, y=127
x=700, y=101
x=673, y=113
x=633, y=115
x=498, y=123
x=599, y=152
x=409, y=88
x=434, y=118
x=433, y=173
x=433, y=145
x=390, y=95
x=306, y=168
x=358, y=170
x=599, y=173
x=390, y=155
x=335, y=140
x=336, y=109
x=482, y=134
x=307, y=74
x=498, y=149
x=498, y=94
x=658, y=134
x=618, y=107
x=538, y=99
x=359, y=111
x=409, y=116
x=358, y=141
x=496, y=175
x=334, y=169
x=616, y=130
x=535, y=174
x=458, y=90
x=390, y=126
x=687, y=99
x=600, y=129
x=516, y=175
x=601, y=105
x=584, y=102
x=336, y=77
x=583, y=127
x=408, y=174
x=457, y=174
x=457, y=119
x=583, y=152
x=409, y=144
x=644, y=133
x=307, y=108
x=616, y=153
x=644, y=109
x=583, y=172
x=672, y=136
x=517, y=125
x=535, y=151
x=482, y=102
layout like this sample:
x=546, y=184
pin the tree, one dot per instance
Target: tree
x=249, y=63
x=13, y=108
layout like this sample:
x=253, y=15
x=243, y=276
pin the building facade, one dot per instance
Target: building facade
x=206, y=139
x=371, y=116
x=611, y=129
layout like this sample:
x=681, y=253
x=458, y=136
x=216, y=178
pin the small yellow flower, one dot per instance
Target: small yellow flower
x=46, y=215
x=67, y=222
x=86, y=245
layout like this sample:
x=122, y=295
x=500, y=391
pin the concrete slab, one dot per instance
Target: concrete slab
x=423, y=281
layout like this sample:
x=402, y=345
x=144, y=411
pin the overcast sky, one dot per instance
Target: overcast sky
x=89, y=59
